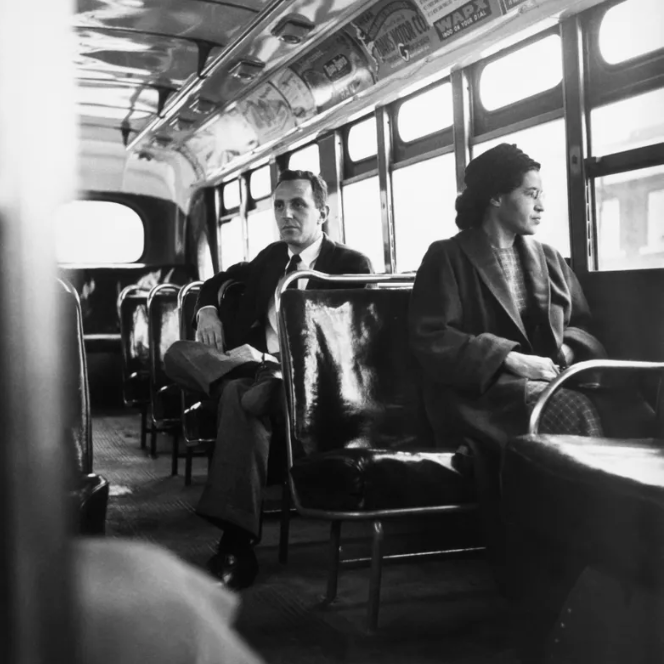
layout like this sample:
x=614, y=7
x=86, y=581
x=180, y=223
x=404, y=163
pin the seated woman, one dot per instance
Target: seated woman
x=496, y=315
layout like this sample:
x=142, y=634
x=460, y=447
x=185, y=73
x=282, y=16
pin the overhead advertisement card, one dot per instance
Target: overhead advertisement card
x=394, y=33
x=336, y=69
x=466, y=17
x=510, y=4
x=435, y=9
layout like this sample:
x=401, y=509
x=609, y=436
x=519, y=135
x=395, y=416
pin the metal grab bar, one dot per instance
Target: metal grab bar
x=285, y=281
x=584, y=367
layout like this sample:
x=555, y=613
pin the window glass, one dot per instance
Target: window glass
x=631, y=29
x=260, y=184
x=232, y=242
x=426, y=113
x=545, y=143
x=262, y=229
x=612, y=132
x=630, y=219
x=363, y=226
x=95, y=232
x=231, y=195
x=362, y=140
x=306, y=159
x=429, y=216
x=521, y=74
x=204, y=258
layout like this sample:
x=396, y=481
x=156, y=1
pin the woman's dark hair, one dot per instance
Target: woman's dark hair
x=318, y=185
x=496, y=171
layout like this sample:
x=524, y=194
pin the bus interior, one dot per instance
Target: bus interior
x=140, y=144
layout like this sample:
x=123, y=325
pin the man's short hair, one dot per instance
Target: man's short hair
x=318, y=185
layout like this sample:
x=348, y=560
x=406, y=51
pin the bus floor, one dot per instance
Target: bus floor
x=434, y=611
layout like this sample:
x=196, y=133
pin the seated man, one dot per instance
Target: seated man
x=233, y=493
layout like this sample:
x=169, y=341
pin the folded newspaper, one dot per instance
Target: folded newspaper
x=247, y=353
x=201, y=366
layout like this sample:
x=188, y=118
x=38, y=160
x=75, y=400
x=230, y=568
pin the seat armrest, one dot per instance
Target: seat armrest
x=598, y=366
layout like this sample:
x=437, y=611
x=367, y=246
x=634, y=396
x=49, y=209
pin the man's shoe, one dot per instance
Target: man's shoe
x=235, y=570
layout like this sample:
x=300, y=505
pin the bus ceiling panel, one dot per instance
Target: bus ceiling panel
x=215, y=22
x=144, y=99
x=127, y=54
x=365, y=61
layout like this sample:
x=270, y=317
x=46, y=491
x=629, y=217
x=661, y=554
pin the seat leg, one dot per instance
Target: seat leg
x=284, y=531
x=187, y=466
x=375, y=578
x=333, y=572
x=144, y=426
x=153, y=441
x=176, y=453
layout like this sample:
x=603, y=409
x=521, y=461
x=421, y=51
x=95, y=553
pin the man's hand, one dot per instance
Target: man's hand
x=533, y=367
x=209, y=330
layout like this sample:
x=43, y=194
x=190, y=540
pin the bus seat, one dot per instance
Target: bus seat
x=90, y=491
x=133, y=316
x=359, y=447
x=574, y=502
x=163, y=330
x=199, y=416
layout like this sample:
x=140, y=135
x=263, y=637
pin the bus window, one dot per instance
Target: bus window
x=545, y=143
x=306, y=159
x=260, y=184
x=619, y=44
x=98, y=232
x=611, y=133
x=630, y=219
x=232, y=242
x=262, y=230
x=231, y=195
x=426, y=113
x=426, y=217
x=363, y=227
x=362, y=140
x=522, y=73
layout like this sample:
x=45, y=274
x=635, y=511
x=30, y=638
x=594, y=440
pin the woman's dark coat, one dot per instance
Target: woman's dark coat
x=463, y=323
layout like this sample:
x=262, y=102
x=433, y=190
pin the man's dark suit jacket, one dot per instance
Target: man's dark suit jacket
x=261, y=276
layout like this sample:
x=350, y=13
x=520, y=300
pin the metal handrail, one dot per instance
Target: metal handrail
x=182, y=294
x=584, y=367
x=285, y=281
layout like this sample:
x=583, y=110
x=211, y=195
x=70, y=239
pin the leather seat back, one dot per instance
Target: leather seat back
x=134, y=341
x=163, y=331
x=76, y=394
x=353, y=378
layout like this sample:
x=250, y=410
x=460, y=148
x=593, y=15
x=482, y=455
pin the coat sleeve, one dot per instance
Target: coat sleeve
x=208, y=295
x=577, y=335
x=446, y=352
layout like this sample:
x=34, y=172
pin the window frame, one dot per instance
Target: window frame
x=440, y=142
x=364, y=168
x=110, y=197
x=541, y=107
x=612, y=82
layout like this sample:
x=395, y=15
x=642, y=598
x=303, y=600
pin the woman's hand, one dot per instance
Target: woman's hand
x=533, y=367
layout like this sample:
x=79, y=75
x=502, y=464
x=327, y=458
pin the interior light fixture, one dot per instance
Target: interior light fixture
x=162, y=140
x=246, y=70
x=182, y=124
x=203, y=106
x=293, y=29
